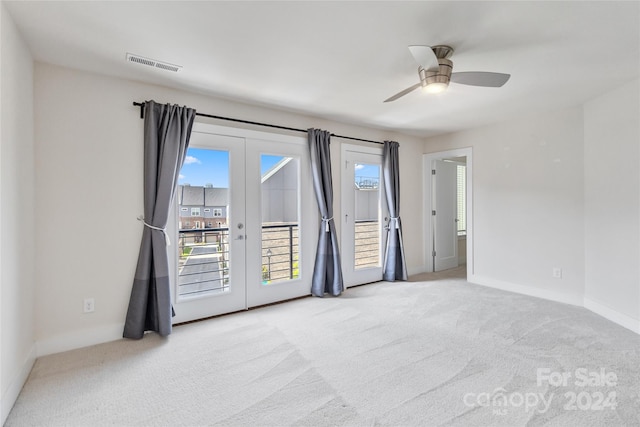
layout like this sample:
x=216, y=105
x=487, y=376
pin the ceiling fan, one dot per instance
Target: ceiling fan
x=435, y=72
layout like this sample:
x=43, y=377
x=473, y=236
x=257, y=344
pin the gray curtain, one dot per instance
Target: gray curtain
x=167, y=129
x=327, y=272
x=395, y=267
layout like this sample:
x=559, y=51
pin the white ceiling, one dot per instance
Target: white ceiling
x=340, y=60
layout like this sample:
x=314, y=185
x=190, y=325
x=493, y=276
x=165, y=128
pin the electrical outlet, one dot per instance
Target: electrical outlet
x=557, y=273
x=89, y=305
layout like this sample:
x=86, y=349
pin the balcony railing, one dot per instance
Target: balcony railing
x=203, y=266
x=280, y=251
x=367, y=244
x=367, y=182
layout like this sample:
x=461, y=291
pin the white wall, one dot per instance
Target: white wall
x=17, y=207
x=528, y=201
x=89, y=193
x=612, y=204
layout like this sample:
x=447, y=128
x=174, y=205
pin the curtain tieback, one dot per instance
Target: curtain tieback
x=326, y=223
x=396, y=219
x=153, y=227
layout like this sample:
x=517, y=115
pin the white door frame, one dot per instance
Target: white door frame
x=427, y=160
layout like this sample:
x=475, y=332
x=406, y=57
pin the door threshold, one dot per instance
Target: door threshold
x=241, y=311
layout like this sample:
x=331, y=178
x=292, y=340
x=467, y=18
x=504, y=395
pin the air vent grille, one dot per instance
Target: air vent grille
x=174, y=68
x=137, y=59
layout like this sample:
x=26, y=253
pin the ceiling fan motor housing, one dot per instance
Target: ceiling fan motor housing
x=442, y=75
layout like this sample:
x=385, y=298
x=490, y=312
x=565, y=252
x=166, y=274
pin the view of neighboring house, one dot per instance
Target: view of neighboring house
x=202, y=207
x=206, y=207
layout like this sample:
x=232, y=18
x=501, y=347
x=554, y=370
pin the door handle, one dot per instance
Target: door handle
x=241, y=236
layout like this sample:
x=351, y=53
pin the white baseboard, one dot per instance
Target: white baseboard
x=79, y=339
x=11, y=393
x=612, y=315
x=526, y=290
x=588, y=303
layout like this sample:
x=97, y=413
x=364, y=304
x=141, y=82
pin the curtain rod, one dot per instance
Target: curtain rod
x=141, y=105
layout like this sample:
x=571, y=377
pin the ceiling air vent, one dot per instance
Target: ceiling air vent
x=137, y=59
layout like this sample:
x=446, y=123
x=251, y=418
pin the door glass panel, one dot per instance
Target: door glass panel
x=367, y=215
x=280, y=189
x=203, y=206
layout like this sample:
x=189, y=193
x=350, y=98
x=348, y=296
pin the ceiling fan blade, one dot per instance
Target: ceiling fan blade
x=403, y=93
x=425, y=56
x=480, y=78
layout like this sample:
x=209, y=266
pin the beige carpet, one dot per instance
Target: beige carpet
x=425, y=352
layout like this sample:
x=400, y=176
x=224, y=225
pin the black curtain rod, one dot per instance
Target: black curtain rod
x=229, y=119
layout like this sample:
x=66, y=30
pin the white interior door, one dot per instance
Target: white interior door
x=364, y=215
x=445, y=230
x=243, y=224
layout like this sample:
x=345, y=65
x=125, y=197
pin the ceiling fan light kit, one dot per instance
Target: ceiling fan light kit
x=436, y=81
x=435, y=72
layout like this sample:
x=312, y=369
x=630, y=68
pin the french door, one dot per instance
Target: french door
x=244, y=200
x=364, y=215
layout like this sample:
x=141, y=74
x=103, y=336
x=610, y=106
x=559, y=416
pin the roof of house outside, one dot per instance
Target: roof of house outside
x=194, y=195
x=216, y=196
x=197, y=195
x=275, y=168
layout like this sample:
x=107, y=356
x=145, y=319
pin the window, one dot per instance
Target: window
x=217, y=212
x=280, y=190
x=461, y=199
x=195, y=211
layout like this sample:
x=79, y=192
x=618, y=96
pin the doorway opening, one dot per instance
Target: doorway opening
x=448, y=207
